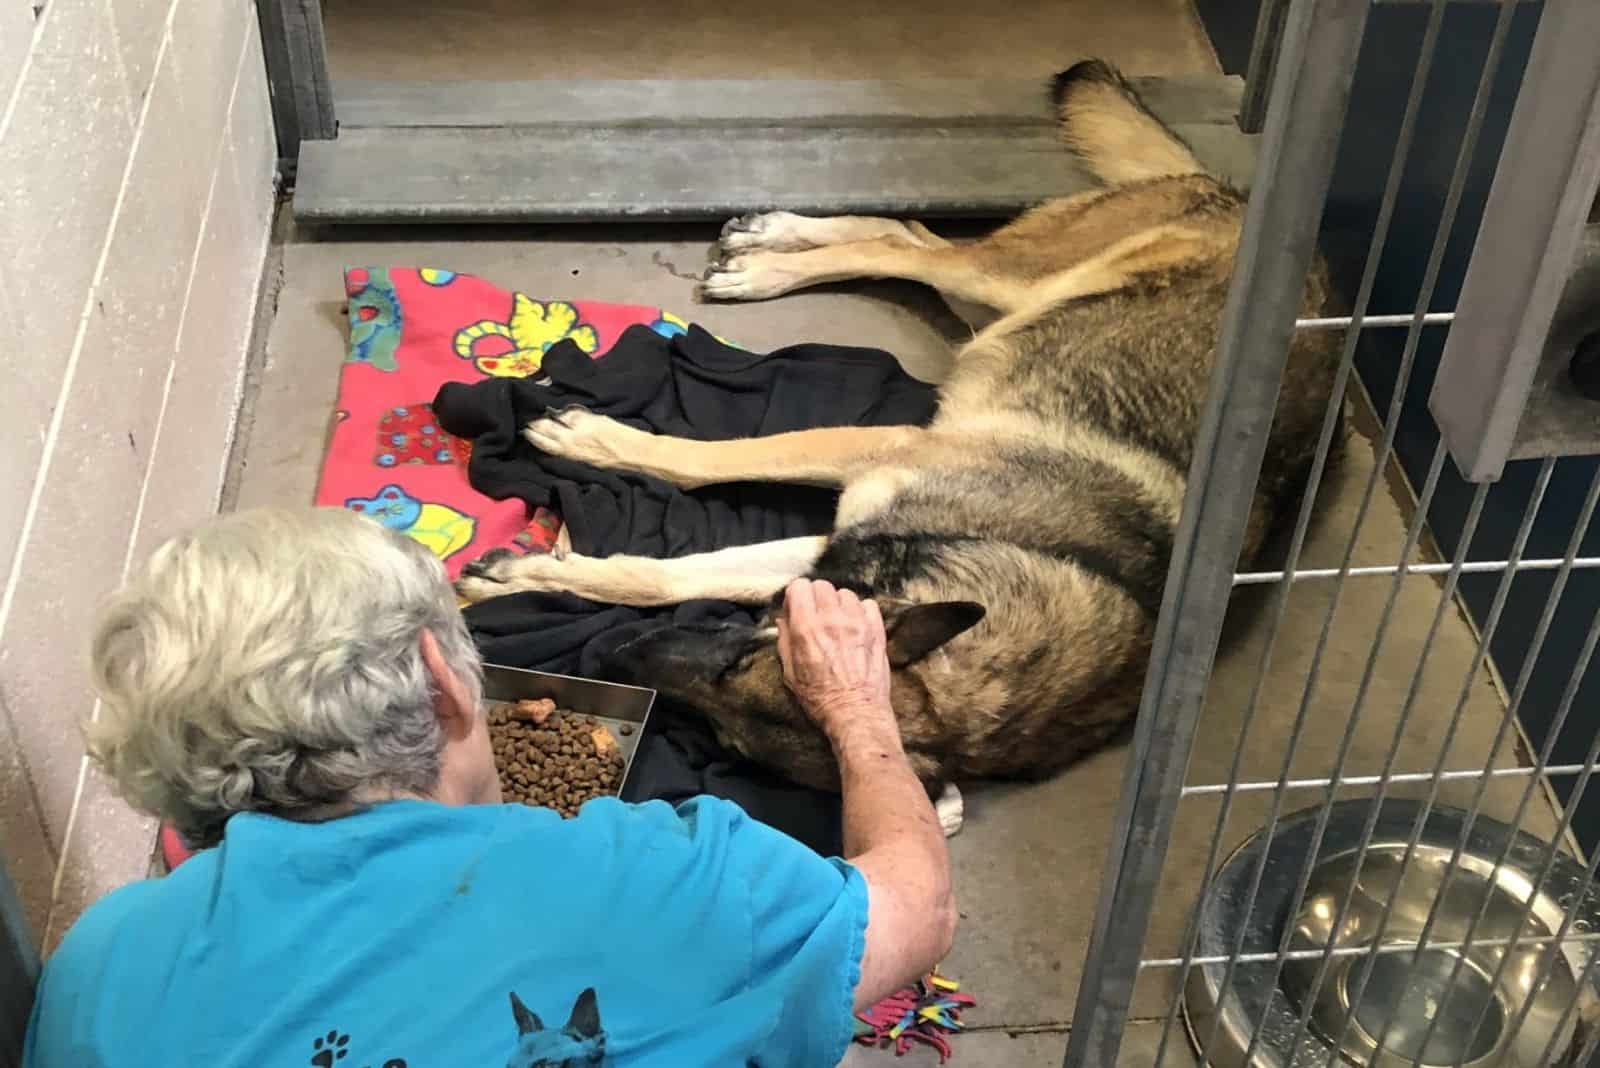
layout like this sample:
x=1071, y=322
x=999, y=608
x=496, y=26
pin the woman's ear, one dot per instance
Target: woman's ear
x=452, y=702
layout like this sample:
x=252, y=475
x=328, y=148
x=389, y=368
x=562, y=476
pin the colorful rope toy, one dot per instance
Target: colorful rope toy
x=925, y=1012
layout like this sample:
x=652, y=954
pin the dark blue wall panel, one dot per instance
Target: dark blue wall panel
x=1383, y=80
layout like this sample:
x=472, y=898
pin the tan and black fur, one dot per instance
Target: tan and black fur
x=1020, y=542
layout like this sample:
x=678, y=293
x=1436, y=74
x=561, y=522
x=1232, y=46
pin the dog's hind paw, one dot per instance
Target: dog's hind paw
x=755, y=276
x=951, y=810
x=743, y=225
x=773, y=231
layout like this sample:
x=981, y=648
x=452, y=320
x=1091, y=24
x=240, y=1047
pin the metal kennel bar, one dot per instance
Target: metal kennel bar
x=1415, y=974
x=1413, y=532
x=1473, y=567
x=1276, y=248
x=1317, y=955
x=1264, y=45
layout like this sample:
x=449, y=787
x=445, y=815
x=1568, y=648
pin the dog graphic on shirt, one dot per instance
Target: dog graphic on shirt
x=580, y=1044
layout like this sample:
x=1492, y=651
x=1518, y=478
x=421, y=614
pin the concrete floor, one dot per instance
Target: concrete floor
x=1028, y=864
x=512, y=39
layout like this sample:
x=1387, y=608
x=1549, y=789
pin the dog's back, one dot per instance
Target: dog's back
x=1065, y=433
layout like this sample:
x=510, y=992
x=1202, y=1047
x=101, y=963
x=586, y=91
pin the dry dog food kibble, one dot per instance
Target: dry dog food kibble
x=551, y=757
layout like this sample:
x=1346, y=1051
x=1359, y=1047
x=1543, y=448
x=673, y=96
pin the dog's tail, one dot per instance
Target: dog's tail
x=1106, y=125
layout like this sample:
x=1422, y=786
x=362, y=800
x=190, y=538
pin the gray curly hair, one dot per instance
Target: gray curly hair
x=270, y=661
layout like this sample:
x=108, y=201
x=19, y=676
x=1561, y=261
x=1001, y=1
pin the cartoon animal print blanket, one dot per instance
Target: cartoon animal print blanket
x=412, y=329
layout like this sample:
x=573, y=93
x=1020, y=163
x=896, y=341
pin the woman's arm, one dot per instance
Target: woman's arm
x=832, y=645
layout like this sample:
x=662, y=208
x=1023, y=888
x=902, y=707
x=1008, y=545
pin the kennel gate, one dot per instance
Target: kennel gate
x=1530, y=298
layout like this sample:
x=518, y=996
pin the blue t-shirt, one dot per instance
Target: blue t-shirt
x=417, y=935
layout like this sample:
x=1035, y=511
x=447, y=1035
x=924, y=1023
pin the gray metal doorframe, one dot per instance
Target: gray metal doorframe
x=296, y=53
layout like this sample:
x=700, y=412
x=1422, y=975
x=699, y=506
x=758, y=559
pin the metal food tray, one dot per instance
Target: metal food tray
x=609, y=703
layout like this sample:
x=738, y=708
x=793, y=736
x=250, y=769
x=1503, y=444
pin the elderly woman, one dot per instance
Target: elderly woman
x=297, y=690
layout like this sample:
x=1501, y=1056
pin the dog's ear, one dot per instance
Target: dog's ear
x=527, y=1021
x=918, y=629
x=585, y=1019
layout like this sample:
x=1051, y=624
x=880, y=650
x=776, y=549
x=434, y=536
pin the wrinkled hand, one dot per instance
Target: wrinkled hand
x=832, y=646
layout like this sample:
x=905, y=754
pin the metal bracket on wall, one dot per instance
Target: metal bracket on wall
x=296, y=55
x=1562, y=416
x=1503, y=390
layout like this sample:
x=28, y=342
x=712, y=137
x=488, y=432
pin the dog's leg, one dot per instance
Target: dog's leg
x=825, y=456
x=747, y=574
x=950, y=269
x=1156, y=249
x=974, y=313
x=784, y=231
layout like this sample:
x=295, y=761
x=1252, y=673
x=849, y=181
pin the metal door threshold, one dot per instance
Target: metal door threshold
x=565, y=151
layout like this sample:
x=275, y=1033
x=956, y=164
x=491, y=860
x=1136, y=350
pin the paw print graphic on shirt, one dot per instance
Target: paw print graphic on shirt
x=330, y=1048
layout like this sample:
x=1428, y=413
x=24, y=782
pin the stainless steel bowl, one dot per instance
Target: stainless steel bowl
x=1405, y=991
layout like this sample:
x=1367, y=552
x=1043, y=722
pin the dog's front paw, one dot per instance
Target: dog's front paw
x=472, y=590
x=484, y=566
x=752, y=276
x=951, y=810
x=501, y=571
x=581, y=435
x=773, y=231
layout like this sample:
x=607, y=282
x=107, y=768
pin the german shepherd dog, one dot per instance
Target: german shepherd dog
x=1018, y=544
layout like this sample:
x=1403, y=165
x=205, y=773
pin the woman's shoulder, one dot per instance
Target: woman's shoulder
x=255, y=847
x=144, y=911
x=704, y=834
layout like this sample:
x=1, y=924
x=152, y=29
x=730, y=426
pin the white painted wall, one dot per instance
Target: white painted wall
x=136, y=199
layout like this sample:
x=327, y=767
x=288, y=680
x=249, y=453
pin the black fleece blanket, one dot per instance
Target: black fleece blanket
x=690, y=386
